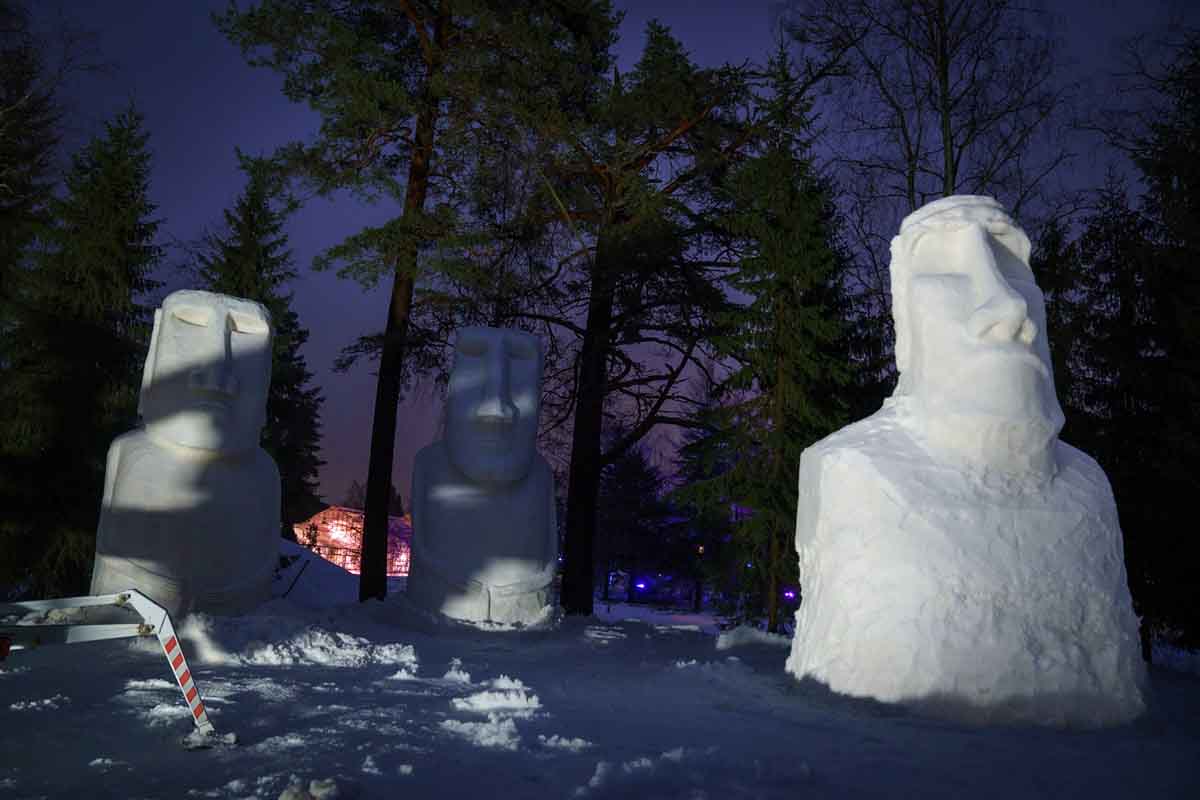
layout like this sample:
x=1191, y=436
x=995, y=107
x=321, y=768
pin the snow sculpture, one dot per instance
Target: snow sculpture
x=954, y=554
x=190, y=514
x=485, y=543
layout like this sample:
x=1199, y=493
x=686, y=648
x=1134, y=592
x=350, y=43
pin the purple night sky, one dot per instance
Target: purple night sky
x=200, y=100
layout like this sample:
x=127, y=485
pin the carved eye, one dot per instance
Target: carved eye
x=520, y=348
x=244, y=323
x=191, y=315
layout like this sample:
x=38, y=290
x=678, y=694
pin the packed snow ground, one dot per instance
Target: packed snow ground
x=328, y=698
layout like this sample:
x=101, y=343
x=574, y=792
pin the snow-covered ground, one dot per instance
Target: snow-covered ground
x=328, y=698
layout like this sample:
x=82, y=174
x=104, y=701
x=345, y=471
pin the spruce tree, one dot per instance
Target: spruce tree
x=74, y=355
x=251, y=259
x=784, y=344
x=356, y=496
x=1168, y=157
x=1123, y=302
x=28, y=140
x=1116, y=398
x=631, y=187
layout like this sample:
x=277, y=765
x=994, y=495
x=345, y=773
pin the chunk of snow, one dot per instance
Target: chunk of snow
x=47, y=704
x=316, y=646
x=556, y=742
x=744, y=634
x=498, y=733
x=274, y=744
x=456, y=674
x=168, y=714
x=153, y=683
x=512, y=700
x=326, y=789
x=505, y=682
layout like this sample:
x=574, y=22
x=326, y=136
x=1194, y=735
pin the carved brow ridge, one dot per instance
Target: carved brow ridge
x=999, y=224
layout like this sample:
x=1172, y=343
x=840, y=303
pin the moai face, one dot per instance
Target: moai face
x=493, y=403
x=208, y=371
x=971, y=322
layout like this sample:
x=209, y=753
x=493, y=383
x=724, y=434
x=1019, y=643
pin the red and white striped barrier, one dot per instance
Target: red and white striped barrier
x=164, y=629
x=156, y=621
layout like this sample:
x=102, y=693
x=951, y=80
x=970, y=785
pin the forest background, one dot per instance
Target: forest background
x=701, y=244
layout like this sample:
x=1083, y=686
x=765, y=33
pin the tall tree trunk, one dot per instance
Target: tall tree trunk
x=583, y=487
x=372, y=581
x=941, y=33
x=372, y=563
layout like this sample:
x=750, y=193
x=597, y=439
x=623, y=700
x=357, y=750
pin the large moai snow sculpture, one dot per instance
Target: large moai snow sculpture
x=954, y=554
x=485, y=542
x=190, y=514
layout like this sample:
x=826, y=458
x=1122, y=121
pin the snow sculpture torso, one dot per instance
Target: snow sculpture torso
x=190, y=514
x=485, y=542
x=953, y=553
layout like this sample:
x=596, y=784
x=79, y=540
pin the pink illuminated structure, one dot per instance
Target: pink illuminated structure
x=335, y=534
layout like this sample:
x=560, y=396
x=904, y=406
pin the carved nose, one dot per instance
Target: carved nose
x=496, y=404
x=216, y=378
x=1002, y=314
x=216, y=375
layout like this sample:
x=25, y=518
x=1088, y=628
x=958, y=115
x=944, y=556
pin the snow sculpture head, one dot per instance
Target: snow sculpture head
x=971, y=344
x=493, y=403
x=207, y=373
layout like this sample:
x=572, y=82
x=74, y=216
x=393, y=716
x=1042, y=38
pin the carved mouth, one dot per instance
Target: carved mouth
x=492, y=430
x=214, y=406
x=1013, y=351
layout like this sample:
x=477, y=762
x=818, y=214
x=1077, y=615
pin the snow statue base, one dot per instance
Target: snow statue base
x=485, y=541
x=954, y=555
x=190, y=514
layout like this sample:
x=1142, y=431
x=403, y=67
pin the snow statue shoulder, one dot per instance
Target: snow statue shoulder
x=485, y=541
x=954, y=554
x=190, y=514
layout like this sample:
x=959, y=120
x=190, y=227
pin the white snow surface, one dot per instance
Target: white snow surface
x=634, y=702
x=923, y=584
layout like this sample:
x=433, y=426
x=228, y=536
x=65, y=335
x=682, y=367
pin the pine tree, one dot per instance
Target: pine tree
x=629, y=187
x=356, y=496
x=404, y=89
x=74, y=358
x=784, y=345
x=251, y=259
